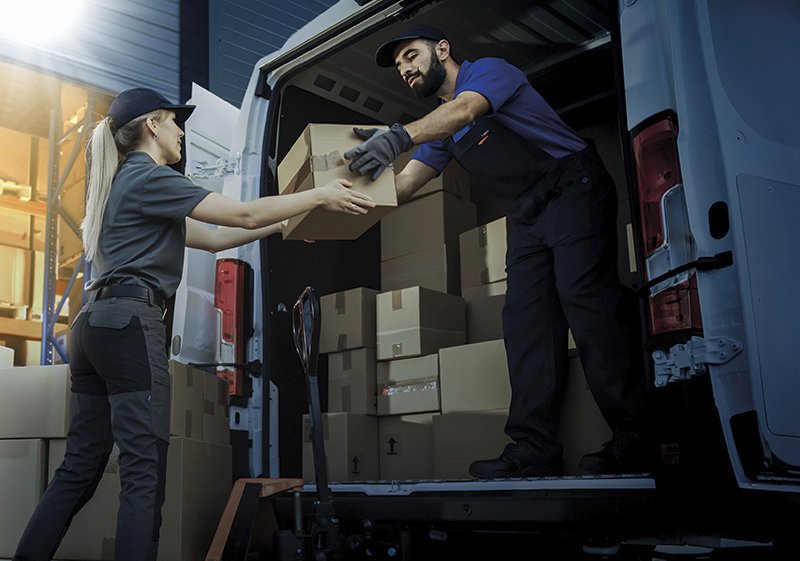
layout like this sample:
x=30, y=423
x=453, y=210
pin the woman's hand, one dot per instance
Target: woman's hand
x=337, y=196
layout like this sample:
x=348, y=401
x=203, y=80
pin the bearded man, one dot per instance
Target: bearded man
x=561, y=260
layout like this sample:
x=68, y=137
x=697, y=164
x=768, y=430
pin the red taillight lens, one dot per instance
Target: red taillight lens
x=655, y=152
x=229, y=299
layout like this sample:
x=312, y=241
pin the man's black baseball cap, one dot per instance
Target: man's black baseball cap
x=384, y=56
x=138, y=101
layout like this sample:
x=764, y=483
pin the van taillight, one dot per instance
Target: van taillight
x=229, y=300
x=655, y=152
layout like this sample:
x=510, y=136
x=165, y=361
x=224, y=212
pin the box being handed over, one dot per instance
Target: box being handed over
x=318, y=157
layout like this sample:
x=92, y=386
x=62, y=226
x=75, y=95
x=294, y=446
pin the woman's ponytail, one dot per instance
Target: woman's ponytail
x=102, y=158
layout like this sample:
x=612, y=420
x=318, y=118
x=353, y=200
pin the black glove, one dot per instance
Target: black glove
x=378, y=151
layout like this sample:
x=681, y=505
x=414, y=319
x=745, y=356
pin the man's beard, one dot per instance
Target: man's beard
x=430, y=82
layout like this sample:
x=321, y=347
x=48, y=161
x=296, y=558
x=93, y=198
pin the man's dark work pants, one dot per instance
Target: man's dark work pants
x=120, y=393
x=562, y=271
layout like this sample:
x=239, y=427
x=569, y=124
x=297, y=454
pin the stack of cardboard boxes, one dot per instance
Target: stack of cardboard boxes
x=413, y=366
x=34, y=420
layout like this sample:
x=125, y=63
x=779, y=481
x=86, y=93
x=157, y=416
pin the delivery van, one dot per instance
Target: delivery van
x=691, y=105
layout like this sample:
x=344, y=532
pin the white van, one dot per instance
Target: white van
x=692, y=106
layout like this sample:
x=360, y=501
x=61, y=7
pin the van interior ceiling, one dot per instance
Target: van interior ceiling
x=563, y=46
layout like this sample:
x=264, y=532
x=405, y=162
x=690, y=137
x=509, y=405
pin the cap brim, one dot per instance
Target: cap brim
x=384, y=56
x=182, y=112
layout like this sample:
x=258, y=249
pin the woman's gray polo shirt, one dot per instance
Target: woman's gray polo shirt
x=143, y=236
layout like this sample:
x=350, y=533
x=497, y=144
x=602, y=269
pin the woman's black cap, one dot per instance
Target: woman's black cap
x=384, y=56
x=138, y=101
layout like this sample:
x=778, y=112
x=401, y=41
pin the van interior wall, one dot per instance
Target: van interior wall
x=582, y=89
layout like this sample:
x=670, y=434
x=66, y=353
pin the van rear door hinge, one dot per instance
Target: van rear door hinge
x=200, y=169
x=692, y=358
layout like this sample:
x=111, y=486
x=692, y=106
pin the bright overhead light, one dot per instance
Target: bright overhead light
x=38, y=21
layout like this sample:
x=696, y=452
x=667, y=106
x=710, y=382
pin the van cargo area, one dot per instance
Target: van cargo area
x=569, y=50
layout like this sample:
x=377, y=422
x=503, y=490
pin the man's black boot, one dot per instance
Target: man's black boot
x=622, y=454
x=513, y=462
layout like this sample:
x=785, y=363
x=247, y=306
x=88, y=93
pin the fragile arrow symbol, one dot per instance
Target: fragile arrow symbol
x=355, y=464
x=391, y=443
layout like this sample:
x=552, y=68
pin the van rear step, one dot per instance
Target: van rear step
x=537, y=500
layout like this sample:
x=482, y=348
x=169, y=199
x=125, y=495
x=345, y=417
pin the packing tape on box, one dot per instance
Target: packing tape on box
x=347, y=360
x=485, y=276
x=347, y=400
x=341, y=342
x=415, y=385
x=208, y=407
x=187, y=424
x=327, y=162
x=397, y=299
x=482, y=241
x=340, y=302
x=222, y=393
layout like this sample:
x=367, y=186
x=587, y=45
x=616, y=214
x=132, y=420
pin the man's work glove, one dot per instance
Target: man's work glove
x=378, y=151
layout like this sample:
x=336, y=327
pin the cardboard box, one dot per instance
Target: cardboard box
x=348, y=320
x=315, y=159
x=406, y=446
x=6, y=356
x=485, y=311
x=92, y=533
x=582, y=428
x=421, y=223
x=22, y=481
x=461, y=438
x=409, y=385
x=417, y=321
x=351, y=447
x=483, y=254
x=216, y=399
x=15, y=276
x=453, y=179
x=186, y=402
x=199, y=480
x=474, y=377
x=435, y=268
x=34, y=402
x=351, y=382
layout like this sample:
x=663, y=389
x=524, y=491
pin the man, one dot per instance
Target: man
x=561, y=257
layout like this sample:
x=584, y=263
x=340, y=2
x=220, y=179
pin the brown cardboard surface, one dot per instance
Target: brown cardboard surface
x=483, y=254
x=351, y=447
x=186, y=401
x=474, y=377
x=461, y=438
x=485, y=311
x=406, y=446
x=34, y=401
x=351, y=382
x=22, y=481
x=418, y=321
x=420, y=223
x=216, y=399
x=199, y=481
x=347, y=320
x=314, y=160
x=435, y=268
x=409, y=385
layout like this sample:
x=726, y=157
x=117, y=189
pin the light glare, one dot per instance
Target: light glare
x=38, y=21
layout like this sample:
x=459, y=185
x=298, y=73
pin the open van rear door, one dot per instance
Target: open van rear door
x=209, y=134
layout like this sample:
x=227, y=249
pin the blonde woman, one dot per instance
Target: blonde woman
x=140, y=214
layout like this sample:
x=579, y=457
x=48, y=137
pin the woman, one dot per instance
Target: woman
x=140, y=214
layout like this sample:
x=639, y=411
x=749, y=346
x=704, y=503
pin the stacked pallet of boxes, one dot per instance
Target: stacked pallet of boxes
x=199, y=472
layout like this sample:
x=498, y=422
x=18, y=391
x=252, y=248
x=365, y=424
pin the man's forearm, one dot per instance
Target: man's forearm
x=448, y=118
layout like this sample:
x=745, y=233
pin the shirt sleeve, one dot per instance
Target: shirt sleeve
x=168, y=194
x=433, y=154
x=495, y=79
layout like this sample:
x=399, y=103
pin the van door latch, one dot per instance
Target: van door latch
x=692, y=358
x=200, y=169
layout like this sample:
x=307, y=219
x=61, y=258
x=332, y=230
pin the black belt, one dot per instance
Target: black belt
x=130, y=291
